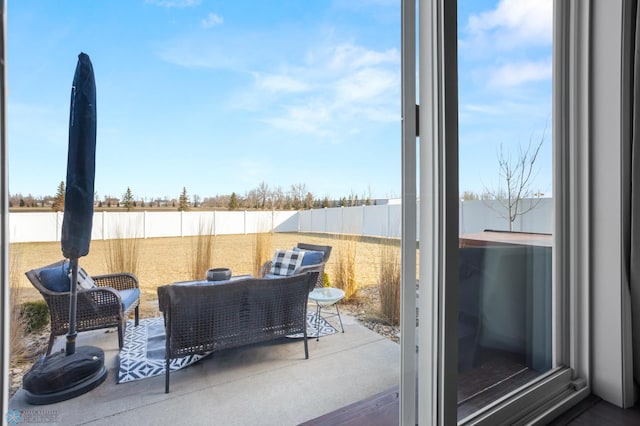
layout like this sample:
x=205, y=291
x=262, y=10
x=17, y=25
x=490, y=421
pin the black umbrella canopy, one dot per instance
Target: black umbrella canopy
x=81, y=168
x=78, y=201
x=65, y=375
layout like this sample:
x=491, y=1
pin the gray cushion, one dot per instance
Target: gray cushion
x=128, y=297
x=311, y=257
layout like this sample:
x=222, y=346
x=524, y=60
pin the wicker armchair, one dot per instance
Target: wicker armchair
x=100, y=307
x=319, y=267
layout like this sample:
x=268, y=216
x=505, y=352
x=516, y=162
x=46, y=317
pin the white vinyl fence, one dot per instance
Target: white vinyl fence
x=478, y=215
x=28, y=227
x=382, y=221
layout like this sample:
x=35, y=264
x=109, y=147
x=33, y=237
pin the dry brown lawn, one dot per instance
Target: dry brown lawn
x=166, y=260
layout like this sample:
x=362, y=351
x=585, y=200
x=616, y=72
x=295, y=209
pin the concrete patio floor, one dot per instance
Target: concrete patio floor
x=264, y=384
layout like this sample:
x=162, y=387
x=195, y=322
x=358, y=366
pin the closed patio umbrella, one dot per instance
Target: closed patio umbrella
x=64, y=375
x=81, y=169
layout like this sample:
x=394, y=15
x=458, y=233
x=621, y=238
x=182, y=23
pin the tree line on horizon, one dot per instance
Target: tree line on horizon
x=260, y=198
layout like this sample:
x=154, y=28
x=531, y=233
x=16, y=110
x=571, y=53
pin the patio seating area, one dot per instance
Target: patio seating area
x=265, y=383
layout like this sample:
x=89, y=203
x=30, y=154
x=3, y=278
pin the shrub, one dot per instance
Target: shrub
x=389, y=283
x=34, y=315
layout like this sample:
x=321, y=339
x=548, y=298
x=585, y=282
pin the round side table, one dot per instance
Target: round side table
x=326, y=297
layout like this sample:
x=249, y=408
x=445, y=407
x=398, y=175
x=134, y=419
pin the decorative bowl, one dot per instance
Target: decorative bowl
x=218, y=274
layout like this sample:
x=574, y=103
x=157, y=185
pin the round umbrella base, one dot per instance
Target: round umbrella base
x=60, y=377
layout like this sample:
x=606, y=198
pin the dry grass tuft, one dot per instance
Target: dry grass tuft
x=389, y=283
x=345, y=268
x=263, y=250
x=123, y=255
x=201, y=256
x=18, y=351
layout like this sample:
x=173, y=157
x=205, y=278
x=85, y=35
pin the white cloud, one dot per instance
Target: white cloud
x=231, y=50
x=484, y=109
x=347, y=57
x=339, y=90
x=515, y=74
x=365, y=85
x=212, y=20
x=200, y=53
x=175, y=3
x=279, y=83
x=328, y=90
x=514, y=23
x=252, y=170
x=366, y=3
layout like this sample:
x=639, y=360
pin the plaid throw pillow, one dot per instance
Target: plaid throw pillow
x=286, y=261
x=85, y=282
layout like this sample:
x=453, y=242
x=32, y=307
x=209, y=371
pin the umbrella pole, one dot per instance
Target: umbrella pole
x=73, y=306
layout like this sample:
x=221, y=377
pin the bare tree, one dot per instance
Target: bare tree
x=278, y=198
x=253, y=199
x=517, y=174
x=263, y=194
x=298, y=192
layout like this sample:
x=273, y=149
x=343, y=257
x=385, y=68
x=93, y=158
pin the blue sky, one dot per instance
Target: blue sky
x=219, y=96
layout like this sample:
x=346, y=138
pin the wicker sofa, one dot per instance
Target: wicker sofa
x=201, y=317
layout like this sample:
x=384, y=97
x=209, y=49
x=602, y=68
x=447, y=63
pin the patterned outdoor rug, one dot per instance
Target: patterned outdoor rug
x=142, y=355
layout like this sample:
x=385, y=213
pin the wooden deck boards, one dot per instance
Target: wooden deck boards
x=497, y=375
x=383, y=410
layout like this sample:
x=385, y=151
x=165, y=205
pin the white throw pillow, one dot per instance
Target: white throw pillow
x=286, y=261
x=85, y=282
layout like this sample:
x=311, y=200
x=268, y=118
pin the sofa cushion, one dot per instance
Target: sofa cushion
x=311, y=257
x=285, y=262
x=128, y=297
x=56, y=278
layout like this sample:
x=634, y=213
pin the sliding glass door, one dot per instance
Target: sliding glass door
x=501, y=297
x=506, y=200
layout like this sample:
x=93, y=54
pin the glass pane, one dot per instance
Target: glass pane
x=506, y=204
x=226, y=130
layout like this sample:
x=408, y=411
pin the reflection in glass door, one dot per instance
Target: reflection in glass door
x=506, y=204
